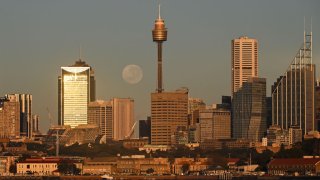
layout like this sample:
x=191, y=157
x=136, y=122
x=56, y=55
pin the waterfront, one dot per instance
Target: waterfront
x=158, y=178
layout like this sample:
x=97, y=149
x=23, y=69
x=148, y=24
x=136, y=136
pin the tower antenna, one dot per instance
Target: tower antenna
x=311, y=26
x=159, y=11
x=80, y=53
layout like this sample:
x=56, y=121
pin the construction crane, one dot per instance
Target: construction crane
x=57, y=132
x=50, y=117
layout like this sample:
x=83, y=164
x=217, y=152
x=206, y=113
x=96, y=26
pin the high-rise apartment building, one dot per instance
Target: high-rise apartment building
x=249, y=113
x=100, y=114
x=9, y=117
x=244, y=58
x=25, y=102
x=76, y=88
x=169, y=110
x=123, y=118
x=215, y=124
x=293, y=94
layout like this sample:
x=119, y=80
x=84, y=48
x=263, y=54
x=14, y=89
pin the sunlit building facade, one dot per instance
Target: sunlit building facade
x=100, y=114
x=123, y=118
x=244, y=58
x=25, y=104
x=293, y=94
x=9, y=117
x=76, y=90
x=169, y=110
x=215, y=124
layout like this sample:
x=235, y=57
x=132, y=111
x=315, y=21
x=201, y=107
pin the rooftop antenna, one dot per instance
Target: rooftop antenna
x=80, y=53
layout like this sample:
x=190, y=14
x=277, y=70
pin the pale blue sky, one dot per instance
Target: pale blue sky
x=37, y=37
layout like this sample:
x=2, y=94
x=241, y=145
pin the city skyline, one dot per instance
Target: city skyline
x=32, y=46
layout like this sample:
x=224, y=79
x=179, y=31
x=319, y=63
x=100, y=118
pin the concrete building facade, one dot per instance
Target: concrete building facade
x=9, y=117
x=215, y=124
x=244, y=57
x=123, y=117
x=100, y=114
x=25, y=105
x=169, y=110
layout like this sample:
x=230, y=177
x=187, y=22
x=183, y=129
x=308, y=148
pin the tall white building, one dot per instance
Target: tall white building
x=76, y=90
x=244, y=58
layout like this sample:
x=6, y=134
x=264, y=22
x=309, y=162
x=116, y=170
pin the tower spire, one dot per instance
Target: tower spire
x=159, y=11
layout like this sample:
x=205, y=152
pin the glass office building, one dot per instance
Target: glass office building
x=76, y=90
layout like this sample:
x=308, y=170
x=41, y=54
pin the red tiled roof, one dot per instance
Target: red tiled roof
x=40, y=160
x=232, y=160
x=291, y=161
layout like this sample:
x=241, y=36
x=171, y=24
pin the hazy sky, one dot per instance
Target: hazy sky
x=37, y=37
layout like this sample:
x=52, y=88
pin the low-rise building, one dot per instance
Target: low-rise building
x=98, y=166
x=295, y=135
x=39, y=166
x=135, y=143
x=225, y=143
x=43, y=166
x=296, y=166
x=140, y=165
x=152, y=148
x=5, y=163
x=195, y=165
x=232, y=163
x=312, y=134
x=16, y=148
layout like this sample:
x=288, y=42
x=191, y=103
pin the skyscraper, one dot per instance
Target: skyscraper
x=244, y=58
x=249, y=110
x=9, y=117
x=25, y=103
x=100, y=114
x=293, y=94
x=215, y=124
x=76, y=89
x=123, y=118
x=169, y=110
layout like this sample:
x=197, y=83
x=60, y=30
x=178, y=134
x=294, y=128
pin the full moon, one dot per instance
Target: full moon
x=132, y=74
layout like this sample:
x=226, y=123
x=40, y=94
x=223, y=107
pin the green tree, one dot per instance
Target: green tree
x=13, y=168
x=185, y=168
x=67, y=168
x=150, y=171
